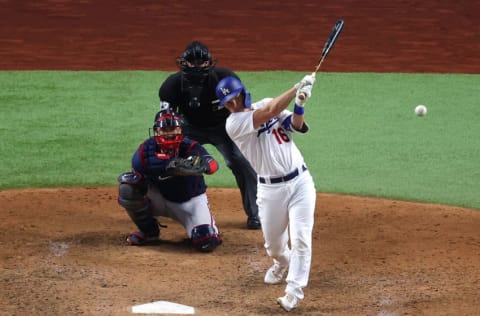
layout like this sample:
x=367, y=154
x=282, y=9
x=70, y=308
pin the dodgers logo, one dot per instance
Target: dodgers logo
x=225, y=91
x=267, y=126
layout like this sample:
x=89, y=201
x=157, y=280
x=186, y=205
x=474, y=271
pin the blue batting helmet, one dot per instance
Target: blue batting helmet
x=230, y=87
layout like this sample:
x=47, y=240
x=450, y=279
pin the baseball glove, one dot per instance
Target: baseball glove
x=191, y=166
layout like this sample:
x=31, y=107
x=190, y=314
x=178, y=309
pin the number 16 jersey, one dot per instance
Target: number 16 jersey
x=270, y=148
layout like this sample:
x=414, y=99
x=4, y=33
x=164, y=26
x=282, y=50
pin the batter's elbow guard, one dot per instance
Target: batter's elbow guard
x=205, y=238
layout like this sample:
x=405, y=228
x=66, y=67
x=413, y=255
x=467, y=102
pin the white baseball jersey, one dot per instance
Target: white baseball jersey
x=286, y=207
x=273, y=137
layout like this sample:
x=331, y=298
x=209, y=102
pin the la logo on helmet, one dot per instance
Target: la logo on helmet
x=225, y=91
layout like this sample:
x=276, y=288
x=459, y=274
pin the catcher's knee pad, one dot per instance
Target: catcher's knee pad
x=131, y=191
x=204, y=238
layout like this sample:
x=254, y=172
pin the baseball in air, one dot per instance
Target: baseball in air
x=421, y=110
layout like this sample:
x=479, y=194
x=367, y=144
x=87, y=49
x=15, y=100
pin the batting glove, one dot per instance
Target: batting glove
x=307, y=80
x=303, y=94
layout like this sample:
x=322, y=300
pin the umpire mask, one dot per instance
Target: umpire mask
x=195, y=64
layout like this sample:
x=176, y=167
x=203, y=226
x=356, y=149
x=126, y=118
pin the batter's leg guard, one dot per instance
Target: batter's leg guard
x=132, y=196
x=204, y=238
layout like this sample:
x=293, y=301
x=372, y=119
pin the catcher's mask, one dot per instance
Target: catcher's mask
x=228, y=88
x=195, y=63
x=167, y=130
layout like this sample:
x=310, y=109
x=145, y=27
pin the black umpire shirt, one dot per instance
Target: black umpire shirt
x=207, y=112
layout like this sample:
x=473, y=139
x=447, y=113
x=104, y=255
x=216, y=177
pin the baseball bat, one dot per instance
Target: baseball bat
x=332, y=38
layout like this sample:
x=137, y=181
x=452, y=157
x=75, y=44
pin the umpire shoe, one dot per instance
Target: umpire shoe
x=275, y=274
x=288, y=302
x=253, y=222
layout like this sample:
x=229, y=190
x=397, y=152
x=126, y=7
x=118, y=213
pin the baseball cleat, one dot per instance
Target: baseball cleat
x=253, y=222
x=288, y=302
x=138, y=238
x=275, y=274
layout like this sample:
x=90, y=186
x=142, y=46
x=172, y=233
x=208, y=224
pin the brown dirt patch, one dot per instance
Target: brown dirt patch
x=63, y=253
x=62, y=250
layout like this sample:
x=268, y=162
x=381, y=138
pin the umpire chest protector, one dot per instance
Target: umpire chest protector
x=197, y=103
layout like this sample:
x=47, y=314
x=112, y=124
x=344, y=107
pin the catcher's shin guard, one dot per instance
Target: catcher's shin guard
x=145, y=221
x=204, y=238
x=131, y=195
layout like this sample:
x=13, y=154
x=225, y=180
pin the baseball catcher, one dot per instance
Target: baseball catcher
x=167, y=180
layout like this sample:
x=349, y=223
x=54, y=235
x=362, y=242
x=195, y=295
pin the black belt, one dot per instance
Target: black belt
x=286, y=178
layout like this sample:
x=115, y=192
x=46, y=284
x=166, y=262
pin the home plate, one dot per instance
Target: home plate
x=163, y=307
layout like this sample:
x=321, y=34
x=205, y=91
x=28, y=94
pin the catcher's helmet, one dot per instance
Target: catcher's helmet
x=230, y=87
x=167, y=134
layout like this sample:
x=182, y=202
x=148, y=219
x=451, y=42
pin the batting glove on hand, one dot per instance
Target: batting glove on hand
x=303, y=94
x=307, y=80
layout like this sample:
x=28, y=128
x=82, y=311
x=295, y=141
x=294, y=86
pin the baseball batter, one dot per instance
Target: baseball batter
x=286, y=192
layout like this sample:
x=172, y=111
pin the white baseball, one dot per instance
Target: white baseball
x=421, y=110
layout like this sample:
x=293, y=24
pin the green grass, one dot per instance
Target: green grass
x=81, y=128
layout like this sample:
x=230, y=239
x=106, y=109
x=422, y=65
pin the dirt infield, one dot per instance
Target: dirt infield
x=371, y=257
x=62, y=250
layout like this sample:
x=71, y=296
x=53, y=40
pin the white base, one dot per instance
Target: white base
x=163, y=307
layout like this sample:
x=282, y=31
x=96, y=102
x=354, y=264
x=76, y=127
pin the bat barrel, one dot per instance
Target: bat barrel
x=332, y=38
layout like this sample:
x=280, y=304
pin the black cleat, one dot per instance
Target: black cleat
x=253, y=222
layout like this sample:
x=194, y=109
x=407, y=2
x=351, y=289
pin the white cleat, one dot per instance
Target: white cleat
x=288, y=302
x=275, y=274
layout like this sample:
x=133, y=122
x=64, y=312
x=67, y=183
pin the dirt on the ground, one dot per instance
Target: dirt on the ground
x=62, y=250
x=63, y=253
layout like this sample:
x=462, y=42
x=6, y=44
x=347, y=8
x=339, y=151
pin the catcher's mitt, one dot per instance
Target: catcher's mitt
x=191, y=166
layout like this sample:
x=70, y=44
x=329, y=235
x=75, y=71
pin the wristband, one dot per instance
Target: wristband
x=299, y=110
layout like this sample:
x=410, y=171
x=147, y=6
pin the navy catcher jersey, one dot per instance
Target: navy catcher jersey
x=174, y=188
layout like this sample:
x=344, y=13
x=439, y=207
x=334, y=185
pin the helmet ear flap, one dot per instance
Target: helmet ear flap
x=248, y=99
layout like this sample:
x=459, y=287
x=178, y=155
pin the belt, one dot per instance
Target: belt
x=285, y=178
